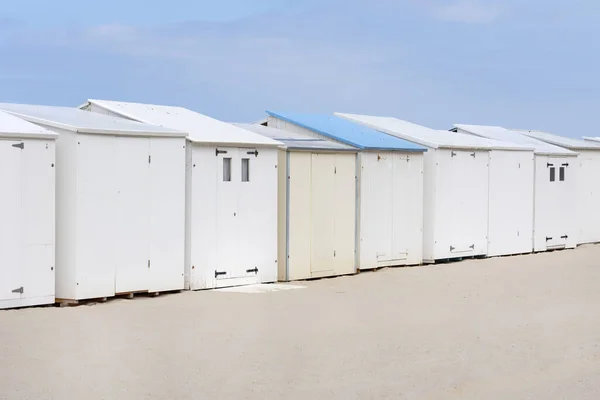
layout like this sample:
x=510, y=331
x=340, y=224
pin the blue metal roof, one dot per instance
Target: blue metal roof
x=348, y=132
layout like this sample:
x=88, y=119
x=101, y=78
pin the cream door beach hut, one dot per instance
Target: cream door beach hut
x=390, y=191
x=231, y=195
x=120, y=196
x=316, y=203
x=469, y=183
x=27, y=215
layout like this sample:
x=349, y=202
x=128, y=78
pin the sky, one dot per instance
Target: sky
x=519, y=64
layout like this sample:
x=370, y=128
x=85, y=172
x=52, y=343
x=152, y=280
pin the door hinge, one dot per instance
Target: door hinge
x=255, y=270
x=19, y=146
x=548, y=239
x=472, y=247
x=564, y=237
x=217, y=152
x=149, y=159
x=19, y=290
x=255, y=152
x=549, y=165
x=565, y=164
x=473, y=154
x=452, y=154
x=219, y=273
x=452, y=248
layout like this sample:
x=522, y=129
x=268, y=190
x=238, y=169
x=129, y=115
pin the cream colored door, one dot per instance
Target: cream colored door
x=323, y=215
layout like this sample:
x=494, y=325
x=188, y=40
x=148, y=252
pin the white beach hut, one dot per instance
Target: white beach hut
x=317, y=205
x=231, y=195
x=555, y=186
x=469, y=184
x=27, y=187
x=390, y=187
x=120, y=196
x=588, y=182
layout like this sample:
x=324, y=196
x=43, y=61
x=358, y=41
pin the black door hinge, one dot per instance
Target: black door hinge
x=565, y=164
x=149, y=159
x=548, y=239
x=452, y=248
x=255, y=270
x=473, y=154
x=452, y=154
x=19, y=146
x=217, y=152
x=19, y=290
x=564, y=237
x=219, y=273
x=472, y=247
x=255, y=152
x=549, y=165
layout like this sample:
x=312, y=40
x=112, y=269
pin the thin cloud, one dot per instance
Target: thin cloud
x=466, y=11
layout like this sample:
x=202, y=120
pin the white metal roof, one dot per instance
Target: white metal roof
x=591, y=139
x=294, y=140
x=430, y=137
x=14, y=127
x=79, y=121
x=499, y=133
x=567, y=143
x=200, y=128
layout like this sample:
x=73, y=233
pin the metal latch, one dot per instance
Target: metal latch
x=19, y=290
x=219, y=273
x=255, y=270
x=19, y=146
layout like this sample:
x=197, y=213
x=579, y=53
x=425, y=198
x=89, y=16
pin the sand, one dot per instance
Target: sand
x=508, y=328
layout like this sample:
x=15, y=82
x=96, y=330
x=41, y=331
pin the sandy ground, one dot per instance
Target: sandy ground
x=510, y=328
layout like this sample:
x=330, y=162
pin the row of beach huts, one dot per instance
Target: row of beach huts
x=114, y=198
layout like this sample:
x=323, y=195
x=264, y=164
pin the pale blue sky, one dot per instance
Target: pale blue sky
x=526, y=64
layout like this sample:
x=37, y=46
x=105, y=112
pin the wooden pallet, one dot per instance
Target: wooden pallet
x=122, y=295
x=130, y=295
x=72, y=303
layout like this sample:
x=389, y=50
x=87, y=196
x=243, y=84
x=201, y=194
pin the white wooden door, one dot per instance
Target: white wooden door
x=167, y=214
x=403, y=184
x=380, y=181
x=38, y=219
x=561, y=189
x=11, y=265
x=257, y=214
x=462, y=217
x=132, y=214
x=97, y=234
x=228, y=181
x=510, y=228
x=323, y=215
